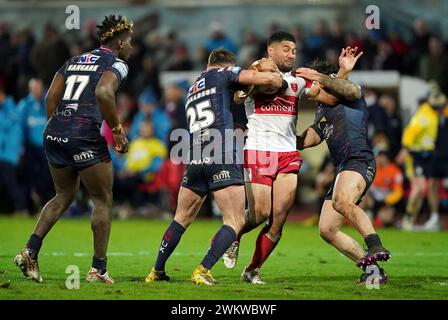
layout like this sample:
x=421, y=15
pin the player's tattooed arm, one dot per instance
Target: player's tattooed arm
x=340, y=87
x=307, y=139
x=54, y=94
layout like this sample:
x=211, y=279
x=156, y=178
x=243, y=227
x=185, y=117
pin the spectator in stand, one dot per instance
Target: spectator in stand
x=11, y=142
x=386, y=191
x=49, y=54
x=141, y=163
x=377, y=115
x=337, y=36
x=317, y=41
x=248, y=52
x=434, y=65
x=385, y=58
x=34, y=119
x=218, y=38
x=418, y=47
x=148, y=77
x=398, y=45
x=180, y=60
x=149, y=111
x=393, y=127
x=25, y=43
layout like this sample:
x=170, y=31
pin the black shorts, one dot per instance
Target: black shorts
x=365, y=167
x=201, y=178
x=419, y=164
x=77, y=153
x=438, y=168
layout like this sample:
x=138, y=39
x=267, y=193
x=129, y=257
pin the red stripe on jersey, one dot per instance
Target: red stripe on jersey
x=271, y=104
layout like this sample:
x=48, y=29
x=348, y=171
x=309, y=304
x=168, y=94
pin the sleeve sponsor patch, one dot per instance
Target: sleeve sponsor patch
x=234, y=69
x=122, y=69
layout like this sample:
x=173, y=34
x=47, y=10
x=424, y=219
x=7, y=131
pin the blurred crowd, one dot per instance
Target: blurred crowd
x=145, y=179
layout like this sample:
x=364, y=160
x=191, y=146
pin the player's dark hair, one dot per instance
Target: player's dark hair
x=221, y=56
x=323, y=67
x=280, y=36
x=113, y=28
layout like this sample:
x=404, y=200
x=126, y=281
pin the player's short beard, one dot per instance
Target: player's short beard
x=285, y=68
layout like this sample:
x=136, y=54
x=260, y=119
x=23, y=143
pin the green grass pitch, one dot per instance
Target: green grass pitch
x=303, y=266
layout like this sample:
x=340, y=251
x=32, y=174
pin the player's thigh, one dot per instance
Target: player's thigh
x=284, y=192
x=98, y=180
x=349, y=186
x=66, y=181
x=188, y=204
x=259, y=199
x=330, y=220
x=231, y=202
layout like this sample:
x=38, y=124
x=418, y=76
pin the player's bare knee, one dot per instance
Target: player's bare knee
x=342, y=204
x=64, y=199
x=262, y=212
x=327, y=233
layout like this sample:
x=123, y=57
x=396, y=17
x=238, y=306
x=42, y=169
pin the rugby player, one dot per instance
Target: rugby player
x=81, y=95
x=208, y=110
x=271, y=160
x=341, y=120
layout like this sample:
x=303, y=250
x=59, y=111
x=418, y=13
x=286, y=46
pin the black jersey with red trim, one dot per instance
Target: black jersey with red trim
x=77, y=115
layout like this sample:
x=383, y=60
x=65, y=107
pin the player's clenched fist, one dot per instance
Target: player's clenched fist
x=121, y=141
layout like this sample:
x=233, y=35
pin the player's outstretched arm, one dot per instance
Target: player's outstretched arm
x=309, y=138
x=252, y=77
x=347, y=61
x=105, y=96
x=341, y=87
x=54, y=94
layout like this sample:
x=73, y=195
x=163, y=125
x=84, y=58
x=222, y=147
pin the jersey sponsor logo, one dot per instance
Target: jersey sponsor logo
x=84, y=156
x=294, y=87
x=198, y=86
x=67, y=112
x=88, y=58
x=73, y=106
x=82, y=67
x=269, y=104
x=57, y=139
x=221, y=176
x=206, y=160
x=121, y=68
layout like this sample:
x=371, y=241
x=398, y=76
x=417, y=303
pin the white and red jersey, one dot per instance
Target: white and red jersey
x=272, y=118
